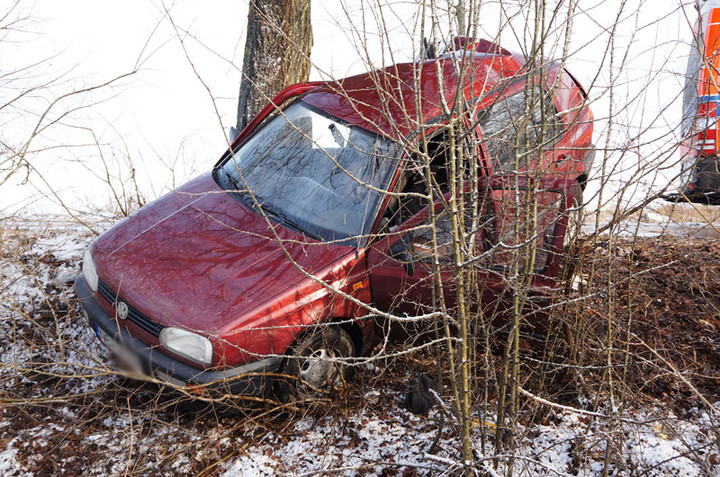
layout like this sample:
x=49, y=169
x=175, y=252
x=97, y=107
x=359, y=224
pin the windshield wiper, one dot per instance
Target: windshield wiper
x=240, y=191
x=234, y=181
x=283, y=219
x=254, y=201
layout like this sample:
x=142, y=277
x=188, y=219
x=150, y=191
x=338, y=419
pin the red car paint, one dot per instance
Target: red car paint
x=196, y=259
x=200, y=260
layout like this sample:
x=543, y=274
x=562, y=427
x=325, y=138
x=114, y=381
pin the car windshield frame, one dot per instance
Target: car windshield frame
x=313, y=173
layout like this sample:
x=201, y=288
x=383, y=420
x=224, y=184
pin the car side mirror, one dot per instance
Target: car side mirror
x=401, y=251
x=233, y=134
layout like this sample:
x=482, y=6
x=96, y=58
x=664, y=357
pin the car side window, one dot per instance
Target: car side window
x=513, y=125
x=413, y=184
x=473, y=238
x=422, y=240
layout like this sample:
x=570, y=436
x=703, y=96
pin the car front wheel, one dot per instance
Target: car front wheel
x=316, y=363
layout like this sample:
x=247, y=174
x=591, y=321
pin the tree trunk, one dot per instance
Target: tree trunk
x=277, y=53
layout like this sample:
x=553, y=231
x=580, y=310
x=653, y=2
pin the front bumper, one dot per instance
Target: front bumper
x=251, y=379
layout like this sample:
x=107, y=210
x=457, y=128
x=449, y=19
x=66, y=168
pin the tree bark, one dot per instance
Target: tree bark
x=277, y=53
x=460, y=16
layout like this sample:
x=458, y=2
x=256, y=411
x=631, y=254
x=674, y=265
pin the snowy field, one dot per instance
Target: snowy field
x=66, y=413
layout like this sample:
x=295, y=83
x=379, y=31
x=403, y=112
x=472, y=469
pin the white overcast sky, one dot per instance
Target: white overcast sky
x=171, y=116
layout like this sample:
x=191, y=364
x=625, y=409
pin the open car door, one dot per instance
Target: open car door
x=512, y=241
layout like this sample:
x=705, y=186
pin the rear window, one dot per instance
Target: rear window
x=517, y=125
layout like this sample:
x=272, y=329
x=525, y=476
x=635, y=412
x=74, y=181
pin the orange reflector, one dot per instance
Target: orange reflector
x=198, y=390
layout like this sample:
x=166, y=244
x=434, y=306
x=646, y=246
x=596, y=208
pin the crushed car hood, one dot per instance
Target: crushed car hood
x=199, y=259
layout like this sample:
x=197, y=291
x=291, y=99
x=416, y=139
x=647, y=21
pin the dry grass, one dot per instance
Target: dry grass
x=682, y=212
x=661, y=211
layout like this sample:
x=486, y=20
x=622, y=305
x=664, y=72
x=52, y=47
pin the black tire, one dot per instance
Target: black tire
x=315, y=362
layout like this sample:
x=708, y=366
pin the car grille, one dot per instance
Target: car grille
x=133, y=315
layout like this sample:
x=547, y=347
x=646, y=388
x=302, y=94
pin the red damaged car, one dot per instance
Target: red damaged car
x=281, y=257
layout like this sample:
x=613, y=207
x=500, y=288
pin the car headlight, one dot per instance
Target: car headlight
x=89, y=272
x=187, y=344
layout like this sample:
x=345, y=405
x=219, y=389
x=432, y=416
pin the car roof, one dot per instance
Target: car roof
x=385, y=101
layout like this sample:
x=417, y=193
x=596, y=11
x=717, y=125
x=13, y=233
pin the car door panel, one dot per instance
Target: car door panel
x=521, y=225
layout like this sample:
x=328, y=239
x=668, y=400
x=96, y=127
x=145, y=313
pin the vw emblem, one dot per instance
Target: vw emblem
x=122, y=310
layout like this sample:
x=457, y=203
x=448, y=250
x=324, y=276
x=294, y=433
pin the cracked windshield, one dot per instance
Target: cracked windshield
x=314, y=174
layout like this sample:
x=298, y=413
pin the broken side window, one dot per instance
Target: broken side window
x=514, y=126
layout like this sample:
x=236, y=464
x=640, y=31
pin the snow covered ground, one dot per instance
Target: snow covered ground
x=633, y=228
x=571, y=446
x=65, y=413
